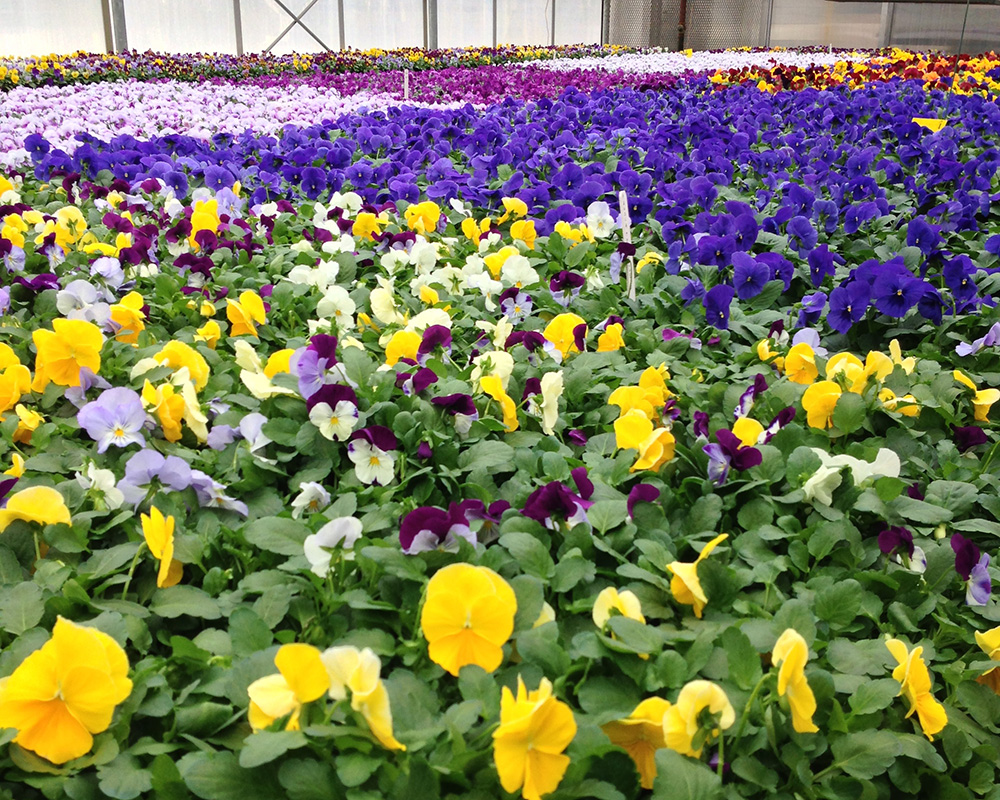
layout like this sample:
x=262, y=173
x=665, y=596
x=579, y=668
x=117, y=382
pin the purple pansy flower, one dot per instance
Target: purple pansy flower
x=429, y=528
x=642, y=493
x=729, y=452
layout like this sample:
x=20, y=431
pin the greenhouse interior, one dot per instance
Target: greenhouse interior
x=476, y=399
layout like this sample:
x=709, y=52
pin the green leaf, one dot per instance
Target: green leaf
x=218, y=776
x=475, y=683
x=956, y=496
x=279, y=535
x=181, y=600
x=872, y=696
x=681, y=778
x=265, y=746
x=248, y=632
x=353, y=769
x=21, y=607
x=796, y=614
x=530, y=553
x=306, y=779
x=920, y=511
x=486, y=454
x=571, y=570
x=869, y=657
x=704, y=515
x=607, y=514
x=839, y=604
x=865, y=754
x=750, y=769
x=744, y=661
x=636, y=636
x=603, y=696
x=850, y=412
x=123, y=778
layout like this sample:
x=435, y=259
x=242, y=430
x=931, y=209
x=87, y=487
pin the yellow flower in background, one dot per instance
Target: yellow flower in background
x=654, y=382
x=850, y=366
x=624, y=602
x=989, y=642
x=792, y=653
x=158, y=531
x=27, y=423
x=748, y=431
x=611, y=339
x=495, y=261
x=879, y=365
x=429, y=296
x=17, y=466
x=40, y=504
x=655, y=451
x=641, y=734
x=365, y=224
x=915, y=682
x=637, y=398
x=493, y=386
x=535, y=728
x=15, y=381
x=682, y=722
x=632, y=429
x=65, y=692
x=982, y=400
x=907, y=404
x=422, y=217
x=467, y=617
x=204, y=217
x=71, y=345
x=513, y=207
x=524, y=231
x=129, y=317
x=800, y=364
x=245, y=314
x=301, y=678
x=167, y=405
x=357, y=671
x=209, y=333
x=178, y=355
x=896, y=354
x=474, y=230
x=819, y=401
x=652, y=257
x=402, y=344
x=560, y=331
x=767, y=355
x=279, y=361
x=684, y=585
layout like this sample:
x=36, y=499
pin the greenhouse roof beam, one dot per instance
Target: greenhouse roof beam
x=297, y=20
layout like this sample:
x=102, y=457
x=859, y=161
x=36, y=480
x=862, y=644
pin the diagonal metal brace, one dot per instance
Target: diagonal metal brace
x=297, y=20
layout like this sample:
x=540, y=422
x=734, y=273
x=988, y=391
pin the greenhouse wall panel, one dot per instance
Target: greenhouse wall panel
x=383, y=23
x=27, y=28
x=180, y=26
x=465, y=23
x=820, y=22
x=939, y=27
x=524, y=22
x=578, y=22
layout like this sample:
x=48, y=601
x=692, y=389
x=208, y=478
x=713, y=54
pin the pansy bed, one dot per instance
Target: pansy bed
x=626, y=436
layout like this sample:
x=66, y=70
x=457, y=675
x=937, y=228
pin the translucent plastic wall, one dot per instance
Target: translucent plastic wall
x=29, y=27
x=821, y=22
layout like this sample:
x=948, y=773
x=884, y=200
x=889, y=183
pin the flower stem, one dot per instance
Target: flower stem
x=131, y=570
x=746, y=709
x=722, y=754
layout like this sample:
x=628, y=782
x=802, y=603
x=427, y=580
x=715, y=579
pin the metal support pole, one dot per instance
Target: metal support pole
x=682, y=24
x=118, y=23
x=886, y=20
x=552, y=22
x=766, y=8
x=340, y=24
x=238, y=26
x=495, y=23
x=605, y=21
x=109, y=33
x=432, y=25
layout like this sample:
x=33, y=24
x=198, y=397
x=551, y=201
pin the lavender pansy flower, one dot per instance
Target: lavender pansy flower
x=115, y=418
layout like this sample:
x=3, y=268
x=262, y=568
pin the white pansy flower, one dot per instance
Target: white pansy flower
x=494, y=362
x=517, y=271
x=334, y=423
x=311, y=499
x=341, y=533
x=103, y=483
x=599, y=219
x=371, y=464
